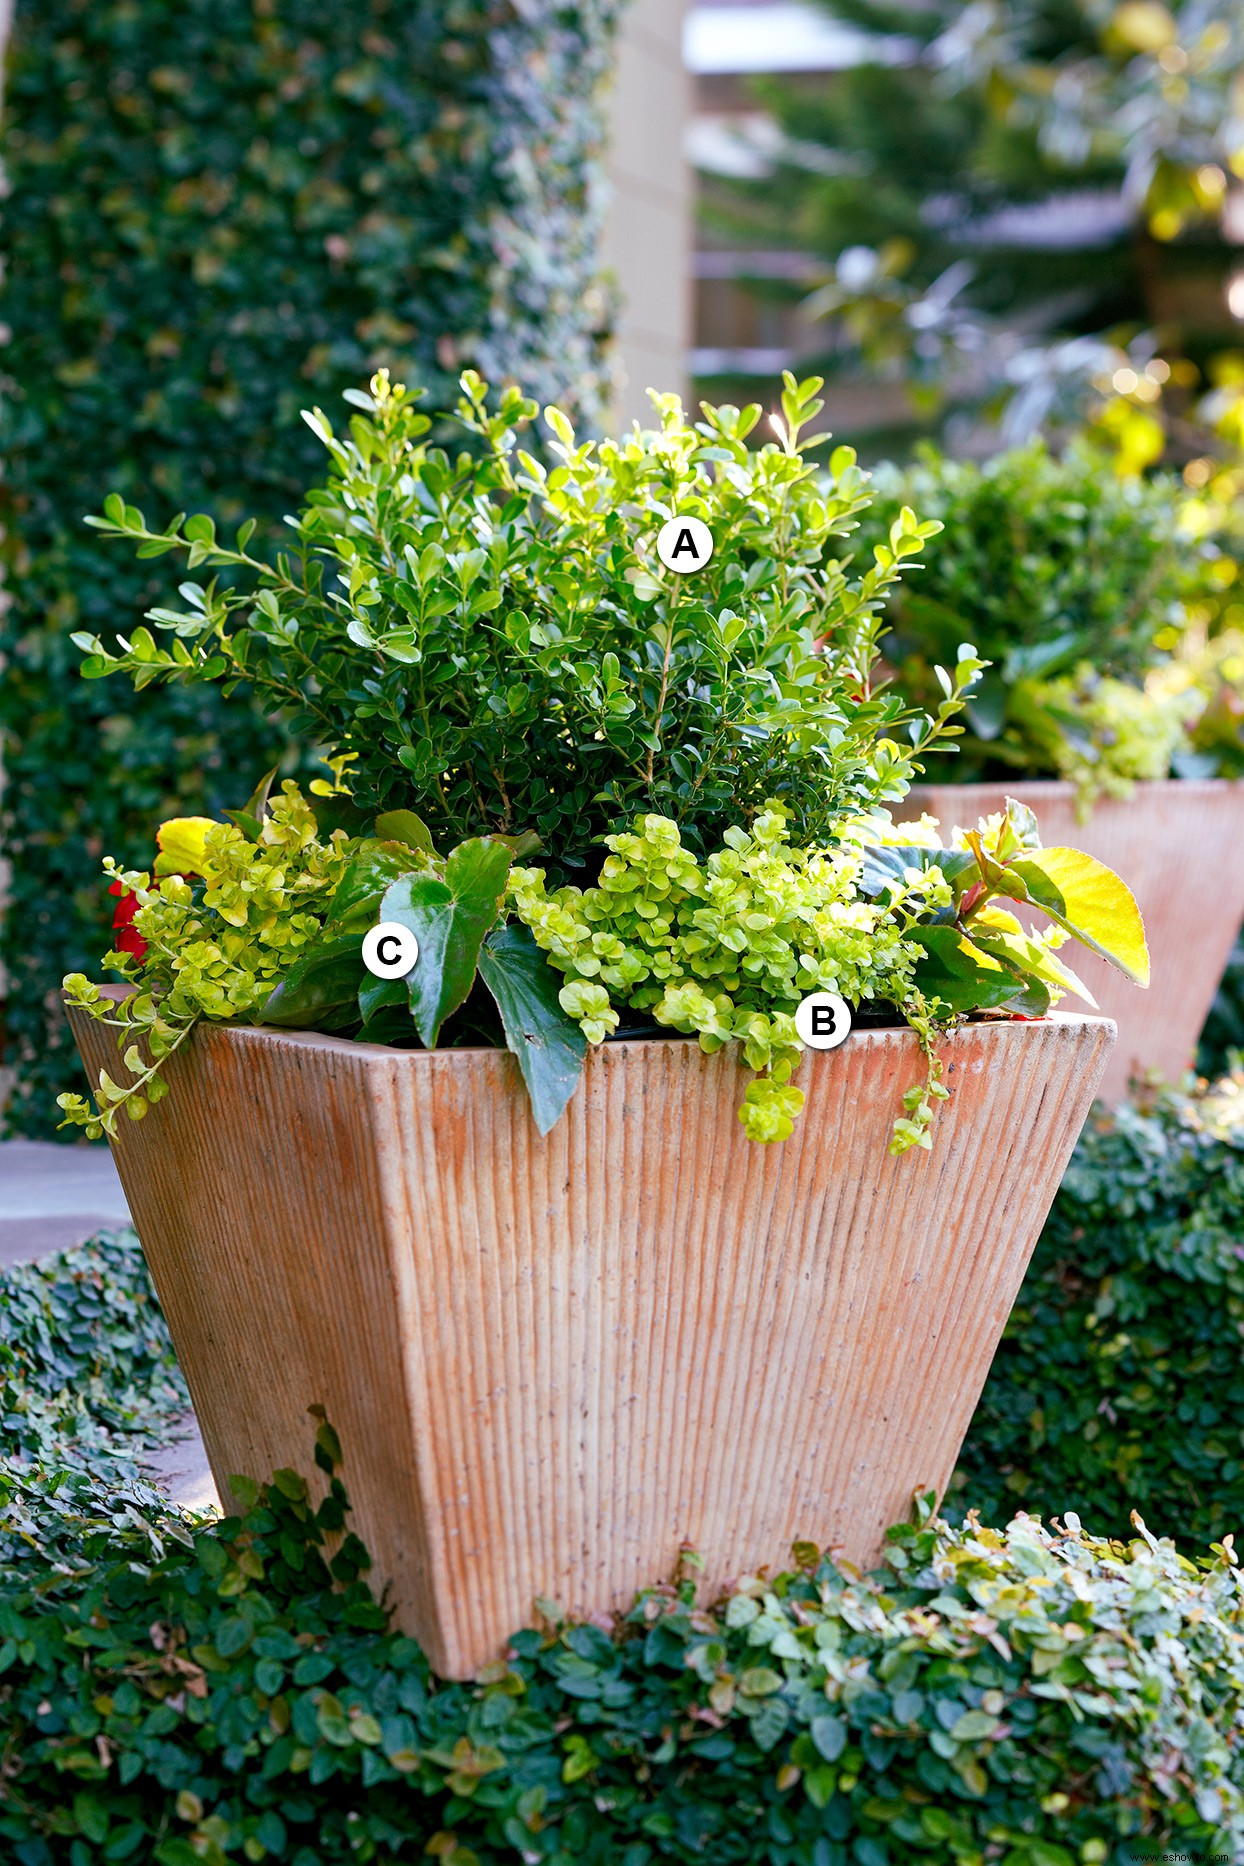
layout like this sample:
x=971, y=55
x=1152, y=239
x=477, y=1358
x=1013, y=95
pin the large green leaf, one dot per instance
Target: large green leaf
x=549, y=1046
x=322, y=983
x=449, y=918
x=968, y=979
x=1089, y=900
x=883, y=868
x=326, y=980
x=404, y=826
x=384, y=1005
x=355, y=906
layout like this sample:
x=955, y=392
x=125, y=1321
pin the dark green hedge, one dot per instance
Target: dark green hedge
x=221, y=211
x=88, y=1377
x=1222, y=1040
x=200, y=1696
x=1120, y=1381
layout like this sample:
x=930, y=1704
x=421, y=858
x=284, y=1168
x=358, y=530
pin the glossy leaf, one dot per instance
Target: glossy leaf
x=380, y=994
x=356, y=903
x=449, y=918
x=961, y=974
x=550, y=1047
x=323, y=981
x=1001, y=935
x=404, y=826
x=883, y=868
x=1090, y=901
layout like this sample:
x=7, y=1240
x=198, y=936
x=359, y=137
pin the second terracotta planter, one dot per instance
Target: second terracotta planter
x=552, y=1361
x=1179, y=845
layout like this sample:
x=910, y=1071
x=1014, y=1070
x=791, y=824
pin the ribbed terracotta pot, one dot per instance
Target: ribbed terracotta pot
x=1179, y=845
x=553, y=1361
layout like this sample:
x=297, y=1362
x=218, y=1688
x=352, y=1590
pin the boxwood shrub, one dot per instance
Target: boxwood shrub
x=1093, y=600
x=1120, y=1380
x=217, y=212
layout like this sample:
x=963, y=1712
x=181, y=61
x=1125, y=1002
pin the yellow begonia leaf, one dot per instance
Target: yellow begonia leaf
x=1000, y=933
x=1089, y=900
x=992, y=926
x=182, y=843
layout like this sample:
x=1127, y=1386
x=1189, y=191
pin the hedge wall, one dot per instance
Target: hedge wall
x=221, y=211
x=1119, y=1383
x=1222, y=1040
x=192, y=1693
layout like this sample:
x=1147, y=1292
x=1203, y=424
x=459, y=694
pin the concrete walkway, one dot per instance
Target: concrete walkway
x=54, y=1197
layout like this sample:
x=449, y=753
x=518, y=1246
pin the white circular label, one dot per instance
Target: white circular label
x=390, y=950
x=684, y=544
x=823, y=1020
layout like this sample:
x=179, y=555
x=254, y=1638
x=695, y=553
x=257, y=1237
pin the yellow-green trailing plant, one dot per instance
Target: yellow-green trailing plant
x=263, y=922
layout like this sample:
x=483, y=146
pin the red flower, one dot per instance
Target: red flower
x=129, y=939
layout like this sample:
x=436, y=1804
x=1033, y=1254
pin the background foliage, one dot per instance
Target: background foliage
x=1043, y=563
x=1120, y=1380
x=1068, y=581
x=1017, y=201
x=220, y=212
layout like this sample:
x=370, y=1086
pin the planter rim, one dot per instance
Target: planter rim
x=373, y=1053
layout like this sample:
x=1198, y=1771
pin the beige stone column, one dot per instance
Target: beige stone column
x=648, y=235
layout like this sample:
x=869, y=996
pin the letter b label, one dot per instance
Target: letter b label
x=823, y=1020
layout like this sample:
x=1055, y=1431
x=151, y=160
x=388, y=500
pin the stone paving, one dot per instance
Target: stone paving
x=52, y=1197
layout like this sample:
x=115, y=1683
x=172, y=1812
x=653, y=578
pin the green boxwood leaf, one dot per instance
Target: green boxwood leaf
x=830, y=1736
x=973, y=1726
x=759, y=1681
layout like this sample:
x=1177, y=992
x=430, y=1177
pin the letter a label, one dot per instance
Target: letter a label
x=684, y=544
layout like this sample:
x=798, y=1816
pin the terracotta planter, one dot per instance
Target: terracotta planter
x=553, y=1361
x=1179, y=845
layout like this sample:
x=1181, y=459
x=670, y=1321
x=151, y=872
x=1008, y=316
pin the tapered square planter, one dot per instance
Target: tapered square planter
x=1179, y=845
x=553, y=1361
